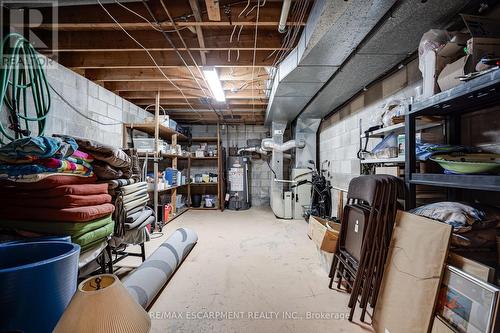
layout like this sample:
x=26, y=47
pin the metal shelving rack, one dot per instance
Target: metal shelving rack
x=477, y=94
x=220, y=171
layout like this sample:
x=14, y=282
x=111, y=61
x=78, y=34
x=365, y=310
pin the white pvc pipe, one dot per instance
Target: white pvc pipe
x=284, y=15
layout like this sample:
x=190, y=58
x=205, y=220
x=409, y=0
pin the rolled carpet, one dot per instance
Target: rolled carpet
x=146, y=281
x=77, y=214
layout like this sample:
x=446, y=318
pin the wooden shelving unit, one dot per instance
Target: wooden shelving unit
x=477, y=94
x=208, y=187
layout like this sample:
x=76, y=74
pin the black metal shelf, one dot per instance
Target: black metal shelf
x=477, y=94
x=467, y=97
x=473, y=182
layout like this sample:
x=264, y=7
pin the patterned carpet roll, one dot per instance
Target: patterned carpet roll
x=147, y=280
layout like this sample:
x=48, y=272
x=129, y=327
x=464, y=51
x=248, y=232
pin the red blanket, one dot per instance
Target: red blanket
x=74, y=214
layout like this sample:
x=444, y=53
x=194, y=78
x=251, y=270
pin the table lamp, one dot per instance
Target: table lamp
x=102, y=304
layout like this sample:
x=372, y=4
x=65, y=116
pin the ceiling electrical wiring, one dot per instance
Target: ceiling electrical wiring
x=152, y=59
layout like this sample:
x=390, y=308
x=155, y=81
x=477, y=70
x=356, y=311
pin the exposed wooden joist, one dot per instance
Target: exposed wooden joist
x=140, y=60
x=146, y=26
x=153, y=40
x=119, y=86
x=181, y=103
x=213, y=10
x=199, y=32
x=175, y=74
x=247, y=95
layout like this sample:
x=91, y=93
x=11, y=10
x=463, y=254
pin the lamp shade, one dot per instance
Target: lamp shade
x=102, y=304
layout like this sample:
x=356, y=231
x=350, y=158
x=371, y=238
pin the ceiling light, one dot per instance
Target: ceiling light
x=214, y=84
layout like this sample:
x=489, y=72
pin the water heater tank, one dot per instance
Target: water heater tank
x=238, y=191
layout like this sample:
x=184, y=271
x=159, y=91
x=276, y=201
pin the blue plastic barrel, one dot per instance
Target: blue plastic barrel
x=37, y=282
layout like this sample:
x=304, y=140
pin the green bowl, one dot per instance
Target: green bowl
x=469, y=163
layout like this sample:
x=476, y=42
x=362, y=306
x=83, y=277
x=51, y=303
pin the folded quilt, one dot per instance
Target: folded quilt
x=45, y=181
x=113, y=156
x=104, y=171
x=26, y=150
x=76, y=214
x=73, y=229
x=65, y=201
x=45, y=165
x=77, y=189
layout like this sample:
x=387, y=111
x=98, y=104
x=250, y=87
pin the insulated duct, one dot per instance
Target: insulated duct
x=345, y=46
x=269, y=144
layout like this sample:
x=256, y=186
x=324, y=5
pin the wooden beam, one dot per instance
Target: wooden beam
x=89, y=60
x=146, y=26
x=154, y=41
x=175, y=74
x=213, y=10
x=199, y=32
x=181, y=103
x=244, y=95
x=119, y=86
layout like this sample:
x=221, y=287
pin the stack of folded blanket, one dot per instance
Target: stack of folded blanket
x=131, y=216
x=47, y=187
x=109, y=162
x=120, y=170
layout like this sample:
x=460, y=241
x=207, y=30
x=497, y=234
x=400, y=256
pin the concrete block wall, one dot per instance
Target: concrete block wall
x=340, y=134
x=93, y=101
x=237, y=135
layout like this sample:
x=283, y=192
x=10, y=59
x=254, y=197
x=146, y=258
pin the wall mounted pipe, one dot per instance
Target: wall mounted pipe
x=285, y=9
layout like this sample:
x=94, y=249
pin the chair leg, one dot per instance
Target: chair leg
x=143, y=252
x=110, y=262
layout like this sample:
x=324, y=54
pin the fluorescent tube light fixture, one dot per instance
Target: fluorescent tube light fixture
x=214, y=84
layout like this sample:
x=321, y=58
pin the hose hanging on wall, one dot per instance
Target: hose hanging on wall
x=20, y=72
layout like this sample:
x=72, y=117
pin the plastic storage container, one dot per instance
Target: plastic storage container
x=37, y=282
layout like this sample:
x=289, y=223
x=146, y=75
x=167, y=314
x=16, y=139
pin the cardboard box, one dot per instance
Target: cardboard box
x=326, y=238
x=449, y=76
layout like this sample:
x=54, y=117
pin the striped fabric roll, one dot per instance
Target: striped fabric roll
x=147, y=280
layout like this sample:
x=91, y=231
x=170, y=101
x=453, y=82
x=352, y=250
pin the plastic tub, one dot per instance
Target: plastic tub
x=37, y=282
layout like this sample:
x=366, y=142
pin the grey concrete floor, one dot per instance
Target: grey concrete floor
x=249, y=272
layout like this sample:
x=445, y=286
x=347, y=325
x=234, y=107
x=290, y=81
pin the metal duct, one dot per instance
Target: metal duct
x=305, y=130
x=277, y=204
x=347, y=45
x=269, y=144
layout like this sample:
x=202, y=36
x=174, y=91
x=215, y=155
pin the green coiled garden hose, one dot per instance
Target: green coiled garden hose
x=22, y=72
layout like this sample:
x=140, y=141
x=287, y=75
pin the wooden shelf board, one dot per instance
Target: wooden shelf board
x=149, y=128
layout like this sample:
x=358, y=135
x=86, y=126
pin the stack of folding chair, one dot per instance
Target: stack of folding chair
x=365, y=235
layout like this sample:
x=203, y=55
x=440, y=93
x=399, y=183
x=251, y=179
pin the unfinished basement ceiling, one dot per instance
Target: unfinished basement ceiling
x=348, y=45
x=91, y=43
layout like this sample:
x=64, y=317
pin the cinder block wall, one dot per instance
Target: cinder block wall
x=93, y=101
x=237, y=135
x=340, y=134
